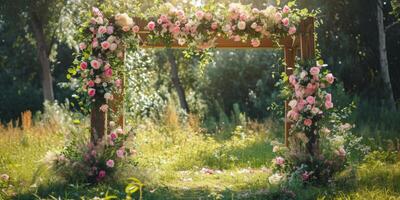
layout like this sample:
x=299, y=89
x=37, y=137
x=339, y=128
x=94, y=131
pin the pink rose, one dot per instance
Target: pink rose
x=292, y=104
x=292, y=79
x=93, y=153
x=330, y=78
x=90, y=83
x=118, y=82
x=151, y=26
x=278, y=17
x=328, y=104
x=199, y=15
x=286, y=9
x=120, y=153
x=105, y=45
x=113, y=136
x=110, y=30
x=91, y=92
x=95, y=43
x=108, y=72
x=328, y=97
x=308, y=122
x=279, y=161
x=82, y=46
x=208, y=16
x=341, y=152
x=285, y=21
x=104, y=108
x=95, y=64
x=292, y=30
x=293, y=115
x=102, y=30
x=214, y=25
x=255, y=42
x=300, y=104
x=102, y=174
x=135, y=29
x=314, y=71
x=83, y=65
x=110, y=163
x=164, y=18
x=310, y=100
x=305, y=176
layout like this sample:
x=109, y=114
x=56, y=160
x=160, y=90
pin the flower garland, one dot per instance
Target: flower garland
x=239, y=22
x=104, y=39
x=311, y=109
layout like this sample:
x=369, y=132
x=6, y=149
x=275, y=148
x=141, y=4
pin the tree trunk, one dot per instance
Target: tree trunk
x=43, y=51
x=176, y=81
x=384, y=64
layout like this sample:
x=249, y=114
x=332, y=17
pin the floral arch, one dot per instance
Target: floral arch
x=106, y=37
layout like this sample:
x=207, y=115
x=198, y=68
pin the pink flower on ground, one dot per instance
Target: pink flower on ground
x=330, y=78
x=120, y=153
x=214, y=25
x=95, y=64
x=305, y=176
x=110, y=163
x=102, y=174
x=308, y=122
x=286, y=9
x=310, y=100
x=314, y=71
x=285, y=21
x=102, y=30
x=104, y=108
x=5, y=177
x=90, y=83
x=105, y=45
x=108, y=72
x=91, y=92
x=151, y=25
x=279, y=161
x=292, y=30
x=83, y=65
x=135, y=29
x=93, y=153
x=255, y=42
x=110, y=30
x=82, y=46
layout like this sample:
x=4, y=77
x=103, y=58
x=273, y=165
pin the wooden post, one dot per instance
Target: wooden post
x=290, y=55
x=98, y=123
x=307, y=39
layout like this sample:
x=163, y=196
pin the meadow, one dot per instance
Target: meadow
x=180, y=159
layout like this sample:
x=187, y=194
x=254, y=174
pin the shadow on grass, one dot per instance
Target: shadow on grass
x=256, y=154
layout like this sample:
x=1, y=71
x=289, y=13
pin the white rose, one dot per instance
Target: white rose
x=293, y=103
x=241, y=25
x=123, y=20
x=303, y=74
x=275, y=179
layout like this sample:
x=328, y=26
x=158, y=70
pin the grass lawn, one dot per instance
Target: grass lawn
x=181, y=162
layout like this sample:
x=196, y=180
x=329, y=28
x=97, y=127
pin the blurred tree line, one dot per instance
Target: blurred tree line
x=37, y=46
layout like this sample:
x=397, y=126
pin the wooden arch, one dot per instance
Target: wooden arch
x=302, y=45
